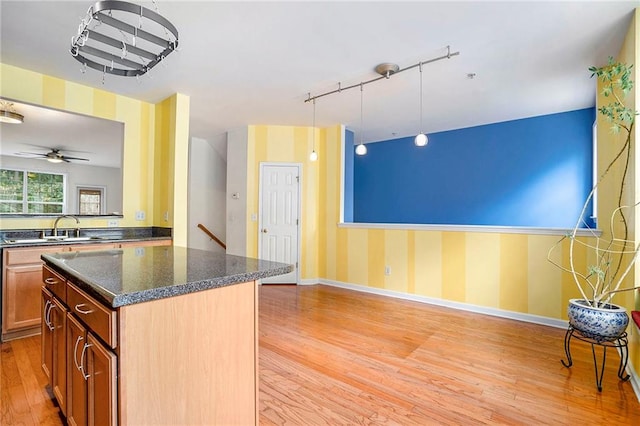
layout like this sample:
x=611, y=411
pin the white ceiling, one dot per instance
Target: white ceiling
x=246, y=63
x=74, y=135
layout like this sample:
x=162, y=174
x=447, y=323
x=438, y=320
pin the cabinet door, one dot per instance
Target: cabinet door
x=46, y=335
x=76, y=381
x=101, y=384
x=58, y=320
x=21, y=298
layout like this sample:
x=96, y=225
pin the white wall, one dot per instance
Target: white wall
x=77, y=175
x=207, y=189
x=237, y=184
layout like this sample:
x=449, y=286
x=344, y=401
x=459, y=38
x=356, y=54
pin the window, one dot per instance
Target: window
x=90, y=201
x=23, y=191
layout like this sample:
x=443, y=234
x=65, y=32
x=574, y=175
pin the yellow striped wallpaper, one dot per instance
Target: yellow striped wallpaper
x=290, y=145
x=139, y=173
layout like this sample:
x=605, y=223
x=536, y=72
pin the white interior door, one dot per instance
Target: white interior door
x=279, y=217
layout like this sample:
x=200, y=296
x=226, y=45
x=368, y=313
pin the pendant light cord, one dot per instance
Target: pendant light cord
x=361, y=114
x=421, y=96
x=314, y=125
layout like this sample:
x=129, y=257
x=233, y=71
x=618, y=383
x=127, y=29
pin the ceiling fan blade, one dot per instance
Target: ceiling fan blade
x=26, y=154
x=66, y=157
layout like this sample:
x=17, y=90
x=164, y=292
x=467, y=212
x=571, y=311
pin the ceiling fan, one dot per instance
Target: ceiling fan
x=53, y=156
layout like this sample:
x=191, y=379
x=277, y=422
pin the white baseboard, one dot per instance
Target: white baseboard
x=536, y=319
x=634, y=379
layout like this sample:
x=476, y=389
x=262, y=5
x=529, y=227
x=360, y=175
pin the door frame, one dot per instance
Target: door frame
x=298, y=166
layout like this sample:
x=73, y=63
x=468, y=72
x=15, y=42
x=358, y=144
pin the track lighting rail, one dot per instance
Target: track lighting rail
x=386, y=72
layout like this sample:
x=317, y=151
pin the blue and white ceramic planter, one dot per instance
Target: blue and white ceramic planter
x=603, y=323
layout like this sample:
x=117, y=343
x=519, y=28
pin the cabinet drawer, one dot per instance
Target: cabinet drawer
x=147, y=243
x=87, y=247
x=54, y=283
x=22, y=256
x=98, y=318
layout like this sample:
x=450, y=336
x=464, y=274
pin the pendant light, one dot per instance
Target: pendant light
x=421, y=139
x=361, y=149
x=314, y=155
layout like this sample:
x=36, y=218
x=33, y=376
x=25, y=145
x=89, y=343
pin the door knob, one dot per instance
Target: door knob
x=264, y=230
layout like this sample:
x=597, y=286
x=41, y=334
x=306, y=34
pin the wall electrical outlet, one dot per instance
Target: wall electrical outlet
x=112, y=223
x=140, y=251
x=166, y=216
x=140, y=215
x=387, y=270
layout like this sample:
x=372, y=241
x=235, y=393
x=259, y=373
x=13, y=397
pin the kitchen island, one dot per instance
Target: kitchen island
x=153, y=335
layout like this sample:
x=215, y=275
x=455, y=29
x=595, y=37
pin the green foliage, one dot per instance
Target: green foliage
x=616, y=77
x=44, y=192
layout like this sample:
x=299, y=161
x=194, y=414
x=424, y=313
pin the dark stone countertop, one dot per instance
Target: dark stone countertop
x=12, y=238
x=140, y=274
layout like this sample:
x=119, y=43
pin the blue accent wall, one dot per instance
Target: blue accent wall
x=534, y=172
x=348, y=175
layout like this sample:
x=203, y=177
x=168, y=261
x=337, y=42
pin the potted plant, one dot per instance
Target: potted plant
x=594, y=315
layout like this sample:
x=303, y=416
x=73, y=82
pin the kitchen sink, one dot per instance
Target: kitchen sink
x=26, y=241
x=51, y=240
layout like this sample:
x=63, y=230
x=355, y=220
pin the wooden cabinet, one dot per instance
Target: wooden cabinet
x=87, y=247
x=22, y=280
x=54, y=346
x=47, y=335
x=83, y=370
x=58, y=319
x=76, y=386
x=21, y=283
x=102, y=395
x=100, y=319
x=189, y=359
x=147, y=243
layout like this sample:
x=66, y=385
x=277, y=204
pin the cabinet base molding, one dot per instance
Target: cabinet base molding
x=19, y=334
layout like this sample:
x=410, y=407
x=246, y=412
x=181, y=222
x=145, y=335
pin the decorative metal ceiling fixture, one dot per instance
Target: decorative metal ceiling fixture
x=122, y=38
x=8, y=113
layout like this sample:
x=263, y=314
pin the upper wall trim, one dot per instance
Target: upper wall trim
x=474, y=228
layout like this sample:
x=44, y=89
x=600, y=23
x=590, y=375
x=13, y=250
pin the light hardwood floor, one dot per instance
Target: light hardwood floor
x=334, y=356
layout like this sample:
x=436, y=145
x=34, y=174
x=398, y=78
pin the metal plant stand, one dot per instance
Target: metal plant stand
x=620, y=342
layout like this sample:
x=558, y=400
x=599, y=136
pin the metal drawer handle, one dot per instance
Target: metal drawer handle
x=47, y=315
x=75, y=353
x=51, y=308
x=80, y=311
x=84, y=350
x=51, y=281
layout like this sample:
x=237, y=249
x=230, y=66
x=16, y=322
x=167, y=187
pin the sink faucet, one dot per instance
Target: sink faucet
x=55, y=224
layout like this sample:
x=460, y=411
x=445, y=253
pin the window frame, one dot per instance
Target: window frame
x=25, y=195
x=103, y=198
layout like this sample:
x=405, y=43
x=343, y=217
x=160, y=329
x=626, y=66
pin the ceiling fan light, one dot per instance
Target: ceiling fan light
x=361, y=149
x=10, y=117
x=421, y=140
x=54, y=160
